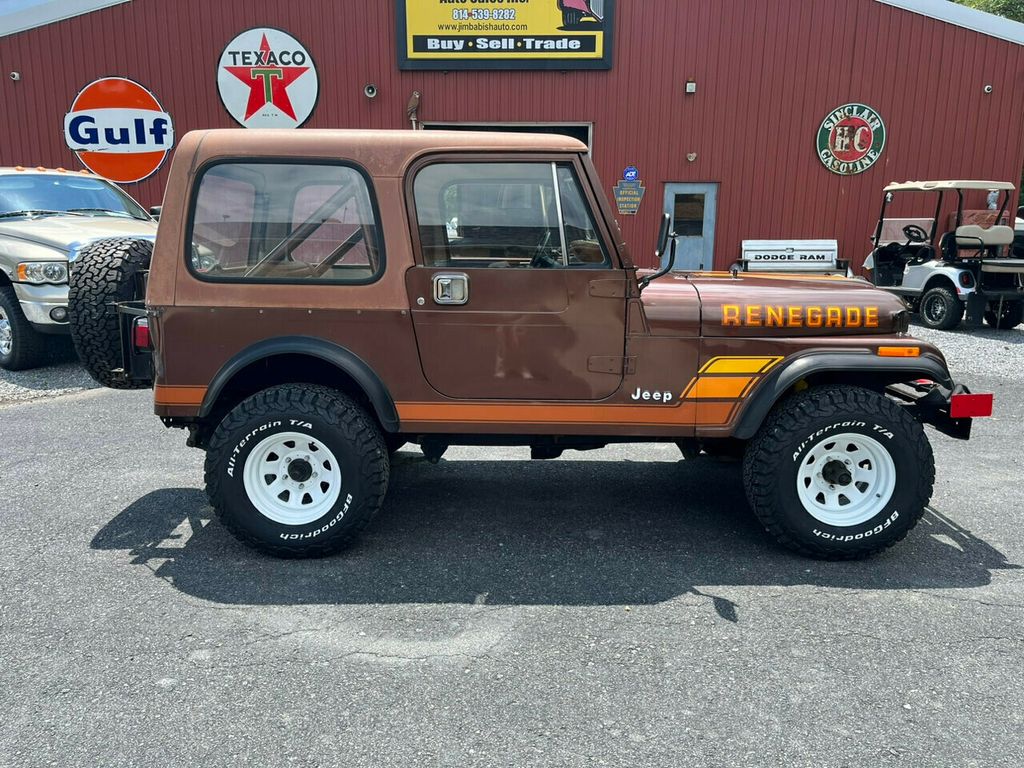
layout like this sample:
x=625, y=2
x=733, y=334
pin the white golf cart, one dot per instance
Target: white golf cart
x=941, y=271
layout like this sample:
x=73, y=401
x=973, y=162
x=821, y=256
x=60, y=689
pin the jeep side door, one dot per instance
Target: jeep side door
x=516, y=293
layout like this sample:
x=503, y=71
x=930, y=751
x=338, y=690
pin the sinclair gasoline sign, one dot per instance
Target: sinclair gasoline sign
x=505, y=34
x=851, y=139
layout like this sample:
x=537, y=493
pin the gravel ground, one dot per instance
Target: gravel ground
x=64, y=377
x=978, y=352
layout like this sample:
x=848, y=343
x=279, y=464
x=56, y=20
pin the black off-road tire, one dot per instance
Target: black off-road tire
x=1011, y=316
x=106, y=272
x=571, y=18
x=326, y=417
x=941, y=309
x=794, y=435
x=28, y=346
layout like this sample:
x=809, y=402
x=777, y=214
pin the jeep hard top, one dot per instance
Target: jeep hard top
x=316, y=299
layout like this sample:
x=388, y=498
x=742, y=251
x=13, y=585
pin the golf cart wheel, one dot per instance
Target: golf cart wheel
x=839, y=473
x=21, y=345
x=106, y=273
x=941, y=309
x=297, y=470
x=1011, y=316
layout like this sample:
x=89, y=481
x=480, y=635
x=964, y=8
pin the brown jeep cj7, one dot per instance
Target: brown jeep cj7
x=316, y=299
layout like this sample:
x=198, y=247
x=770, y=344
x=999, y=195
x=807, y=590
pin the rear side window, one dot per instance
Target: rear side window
x=284, y=223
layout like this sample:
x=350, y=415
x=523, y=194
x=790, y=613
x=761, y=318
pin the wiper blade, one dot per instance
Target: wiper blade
x=107, y=211
x=38, y=212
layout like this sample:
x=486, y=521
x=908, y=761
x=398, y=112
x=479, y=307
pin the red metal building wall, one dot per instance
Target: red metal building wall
x=767, y=73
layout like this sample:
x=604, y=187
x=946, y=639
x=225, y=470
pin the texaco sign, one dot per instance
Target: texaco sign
x=267, y=79
x=851, y=139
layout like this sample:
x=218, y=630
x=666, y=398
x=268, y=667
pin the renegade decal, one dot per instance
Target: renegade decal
x=775, y=316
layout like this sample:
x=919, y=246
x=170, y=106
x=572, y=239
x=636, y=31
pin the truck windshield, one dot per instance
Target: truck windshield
x=29, y=194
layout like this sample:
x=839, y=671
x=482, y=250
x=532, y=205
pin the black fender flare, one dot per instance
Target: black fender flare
x=864, y=363
x=341, y=358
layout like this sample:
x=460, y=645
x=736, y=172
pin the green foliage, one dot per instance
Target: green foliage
x=1011, y=9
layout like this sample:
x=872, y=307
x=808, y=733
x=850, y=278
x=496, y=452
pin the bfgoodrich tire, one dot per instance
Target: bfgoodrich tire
x=839, y=473
x=105, y=273
x=297, y=471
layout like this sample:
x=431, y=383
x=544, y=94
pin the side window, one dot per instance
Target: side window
x=504, y=215
x=276, y=222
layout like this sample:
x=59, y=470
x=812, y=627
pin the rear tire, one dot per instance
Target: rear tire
x=839, y=473
x=571, y=18
x=297, y=470
x=105, y=273
x=1011, y=316
x=941, y=309
x=21, y=345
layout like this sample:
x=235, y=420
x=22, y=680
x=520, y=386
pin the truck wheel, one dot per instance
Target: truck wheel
x=571, y=18
x=941, y=309
x=839, y=473
x=1011, y=316
x=106, y=272
x=21, y=345
x=297, y=470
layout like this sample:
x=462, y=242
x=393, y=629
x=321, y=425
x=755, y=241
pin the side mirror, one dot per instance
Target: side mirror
x=666, y=222
x=666, y=242
x=155, y=211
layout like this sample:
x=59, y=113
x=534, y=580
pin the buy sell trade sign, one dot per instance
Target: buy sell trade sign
x=118, y=130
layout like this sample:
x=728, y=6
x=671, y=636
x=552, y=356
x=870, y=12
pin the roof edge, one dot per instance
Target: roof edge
x=963, y=16
x=42, y=13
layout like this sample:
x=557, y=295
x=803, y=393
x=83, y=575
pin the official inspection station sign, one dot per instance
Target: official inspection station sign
x=505, y=34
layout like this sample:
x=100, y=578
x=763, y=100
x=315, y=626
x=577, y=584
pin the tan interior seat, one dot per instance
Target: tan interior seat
x=973, y=236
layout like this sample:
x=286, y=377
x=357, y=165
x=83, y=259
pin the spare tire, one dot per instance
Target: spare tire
x=105, y=273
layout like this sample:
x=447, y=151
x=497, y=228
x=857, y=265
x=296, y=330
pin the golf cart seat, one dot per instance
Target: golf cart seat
x=973, y=237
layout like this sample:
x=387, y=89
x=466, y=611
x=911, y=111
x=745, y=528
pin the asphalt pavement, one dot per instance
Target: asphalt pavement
x=620, y=607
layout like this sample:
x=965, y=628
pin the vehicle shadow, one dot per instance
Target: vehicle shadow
x=526, y=533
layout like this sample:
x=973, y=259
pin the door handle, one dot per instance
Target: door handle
x=451, y=288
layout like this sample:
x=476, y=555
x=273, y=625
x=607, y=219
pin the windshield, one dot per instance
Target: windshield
x=48, y=193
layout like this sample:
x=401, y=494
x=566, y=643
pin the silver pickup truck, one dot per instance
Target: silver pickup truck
x=45, y=217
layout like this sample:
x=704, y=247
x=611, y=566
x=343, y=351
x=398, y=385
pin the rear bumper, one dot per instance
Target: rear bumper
x=940, y=407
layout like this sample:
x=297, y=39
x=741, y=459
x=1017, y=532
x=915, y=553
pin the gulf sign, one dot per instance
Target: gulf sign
x=119, y=130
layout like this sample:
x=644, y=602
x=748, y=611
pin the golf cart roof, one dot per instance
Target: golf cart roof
x=930, y=186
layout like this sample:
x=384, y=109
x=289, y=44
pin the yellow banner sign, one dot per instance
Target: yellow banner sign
x=505, y=34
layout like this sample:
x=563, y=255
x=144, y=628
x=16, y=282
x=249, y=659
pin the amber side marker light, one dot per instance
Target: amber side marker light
x=899, y=351
x=968, y=406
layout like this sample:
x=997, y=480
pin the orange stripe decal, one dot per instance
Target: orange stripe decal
x=683, y=414
x=719, y=387
x=181, y=395
x=718, y=365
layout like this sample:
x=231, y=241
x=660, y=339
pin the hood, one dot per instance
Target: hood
x=61, y=232
x=780, y=305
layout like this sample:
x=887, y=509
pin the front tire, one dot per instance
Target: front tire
x=839, y=473
x=1011, y=316
x=297, y=471
x=21, y=345
x=941, y=309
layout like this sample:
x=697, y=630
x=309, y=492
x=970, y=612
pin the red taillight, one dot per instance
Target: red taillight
x=140, y=333
x=970, y=406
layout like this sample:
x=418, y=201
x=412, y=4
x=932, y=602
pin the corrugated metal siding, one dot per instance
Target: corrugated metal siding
x=768, y=71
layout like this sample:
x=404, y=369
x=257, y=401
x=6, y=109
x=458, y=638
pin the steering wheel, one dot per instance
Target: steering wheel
x=915, y=234
x=542, y=256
